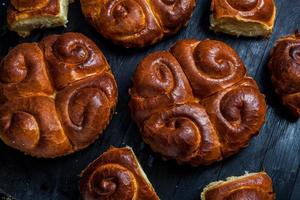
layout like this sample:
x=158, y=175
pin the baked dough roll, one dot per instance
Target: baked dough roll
x=25, y=15
x=195, y=103
x=285, y=70
x=116, y=175
x=56, y=96
x=249, y=18
x=256, y=186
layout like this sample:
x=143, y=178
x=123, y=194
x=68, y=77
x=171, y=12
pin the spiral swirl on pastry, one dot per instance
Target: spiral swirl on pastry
x=243, y=5
x=123, y=17
x=254, y=186
x=72, y=56
x=253, y=9
x=285, y=65
x=25, y=5
x=86, y=107
x=211, y=113
x=210, y=65
x=115, y=175
x=127, y=22
x=137, y=23
x=113, y=181
x=181, y=133
x=285, y=70
x=21, y=69
x=173, y=14
x=238, y=113
x=31, y=125
x=159, y=82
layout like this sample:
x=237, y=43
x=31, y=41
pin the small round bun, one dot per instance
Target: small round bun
x=285, y=69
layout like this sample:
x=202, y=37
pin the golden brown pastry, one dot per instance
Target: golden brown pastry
x=249, y=18
x=195, y=103
x=137, y=23
x=116, y=175
x=285, y=69
x=254, y=186
x=56, y=96
x=25, y=15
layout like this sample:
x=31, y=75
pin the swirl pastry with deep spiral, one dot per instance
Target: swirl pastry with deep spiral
x=137, y=23
x=249, y=18
x=116, y=175
x=285, y=69
x=195, y=103
x=56, y=96
x=25, y=15
x=255, y=186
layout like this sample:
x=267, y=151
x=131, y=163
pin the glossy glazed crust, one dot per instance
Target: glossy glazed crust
x=256, y=186
x=47, y=12
x=56, y=96
x=115, y=175
x=285, y=69
x=137, y=23
x=195, y=104
x=258, y=15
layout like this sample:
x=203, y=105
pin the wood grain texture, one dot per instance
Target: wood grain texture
x=276, y=149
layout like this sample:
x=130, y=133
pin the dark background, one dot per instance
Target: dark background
x=276, y=149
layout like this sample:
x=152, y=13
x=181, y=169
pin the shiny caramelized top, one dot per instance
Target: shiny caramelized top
x=137, y=23
x=262, y=11
x=256, y=186
x=56, y=96
x=22, y=5
x=195, y=103
x=116, y=175
x=24, y=9
x=285, y=69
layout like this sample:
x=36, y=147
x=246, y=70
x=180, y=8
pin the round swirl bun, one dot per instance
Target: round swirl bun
x=56, y=96
x=254, y=186
x=195, y=104
x=243, y=17
x=285, y=69
x=116, y=175
x=137, y=23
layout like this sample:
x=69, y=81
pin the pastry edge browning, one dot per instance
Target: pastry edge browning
x=139, y=168
x=239, y=26
x=231, y=179
x=23, y=24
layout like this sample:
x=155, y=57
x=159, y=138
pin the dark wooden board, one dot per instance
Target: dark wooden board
x=276, y=149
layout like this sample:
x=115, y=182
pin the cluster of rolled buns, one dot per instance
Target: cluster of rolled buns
x=25, y=15
x=56, y=96
x=243, y=17
x=195, y=103
x=285, y=69
x=137, y=23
